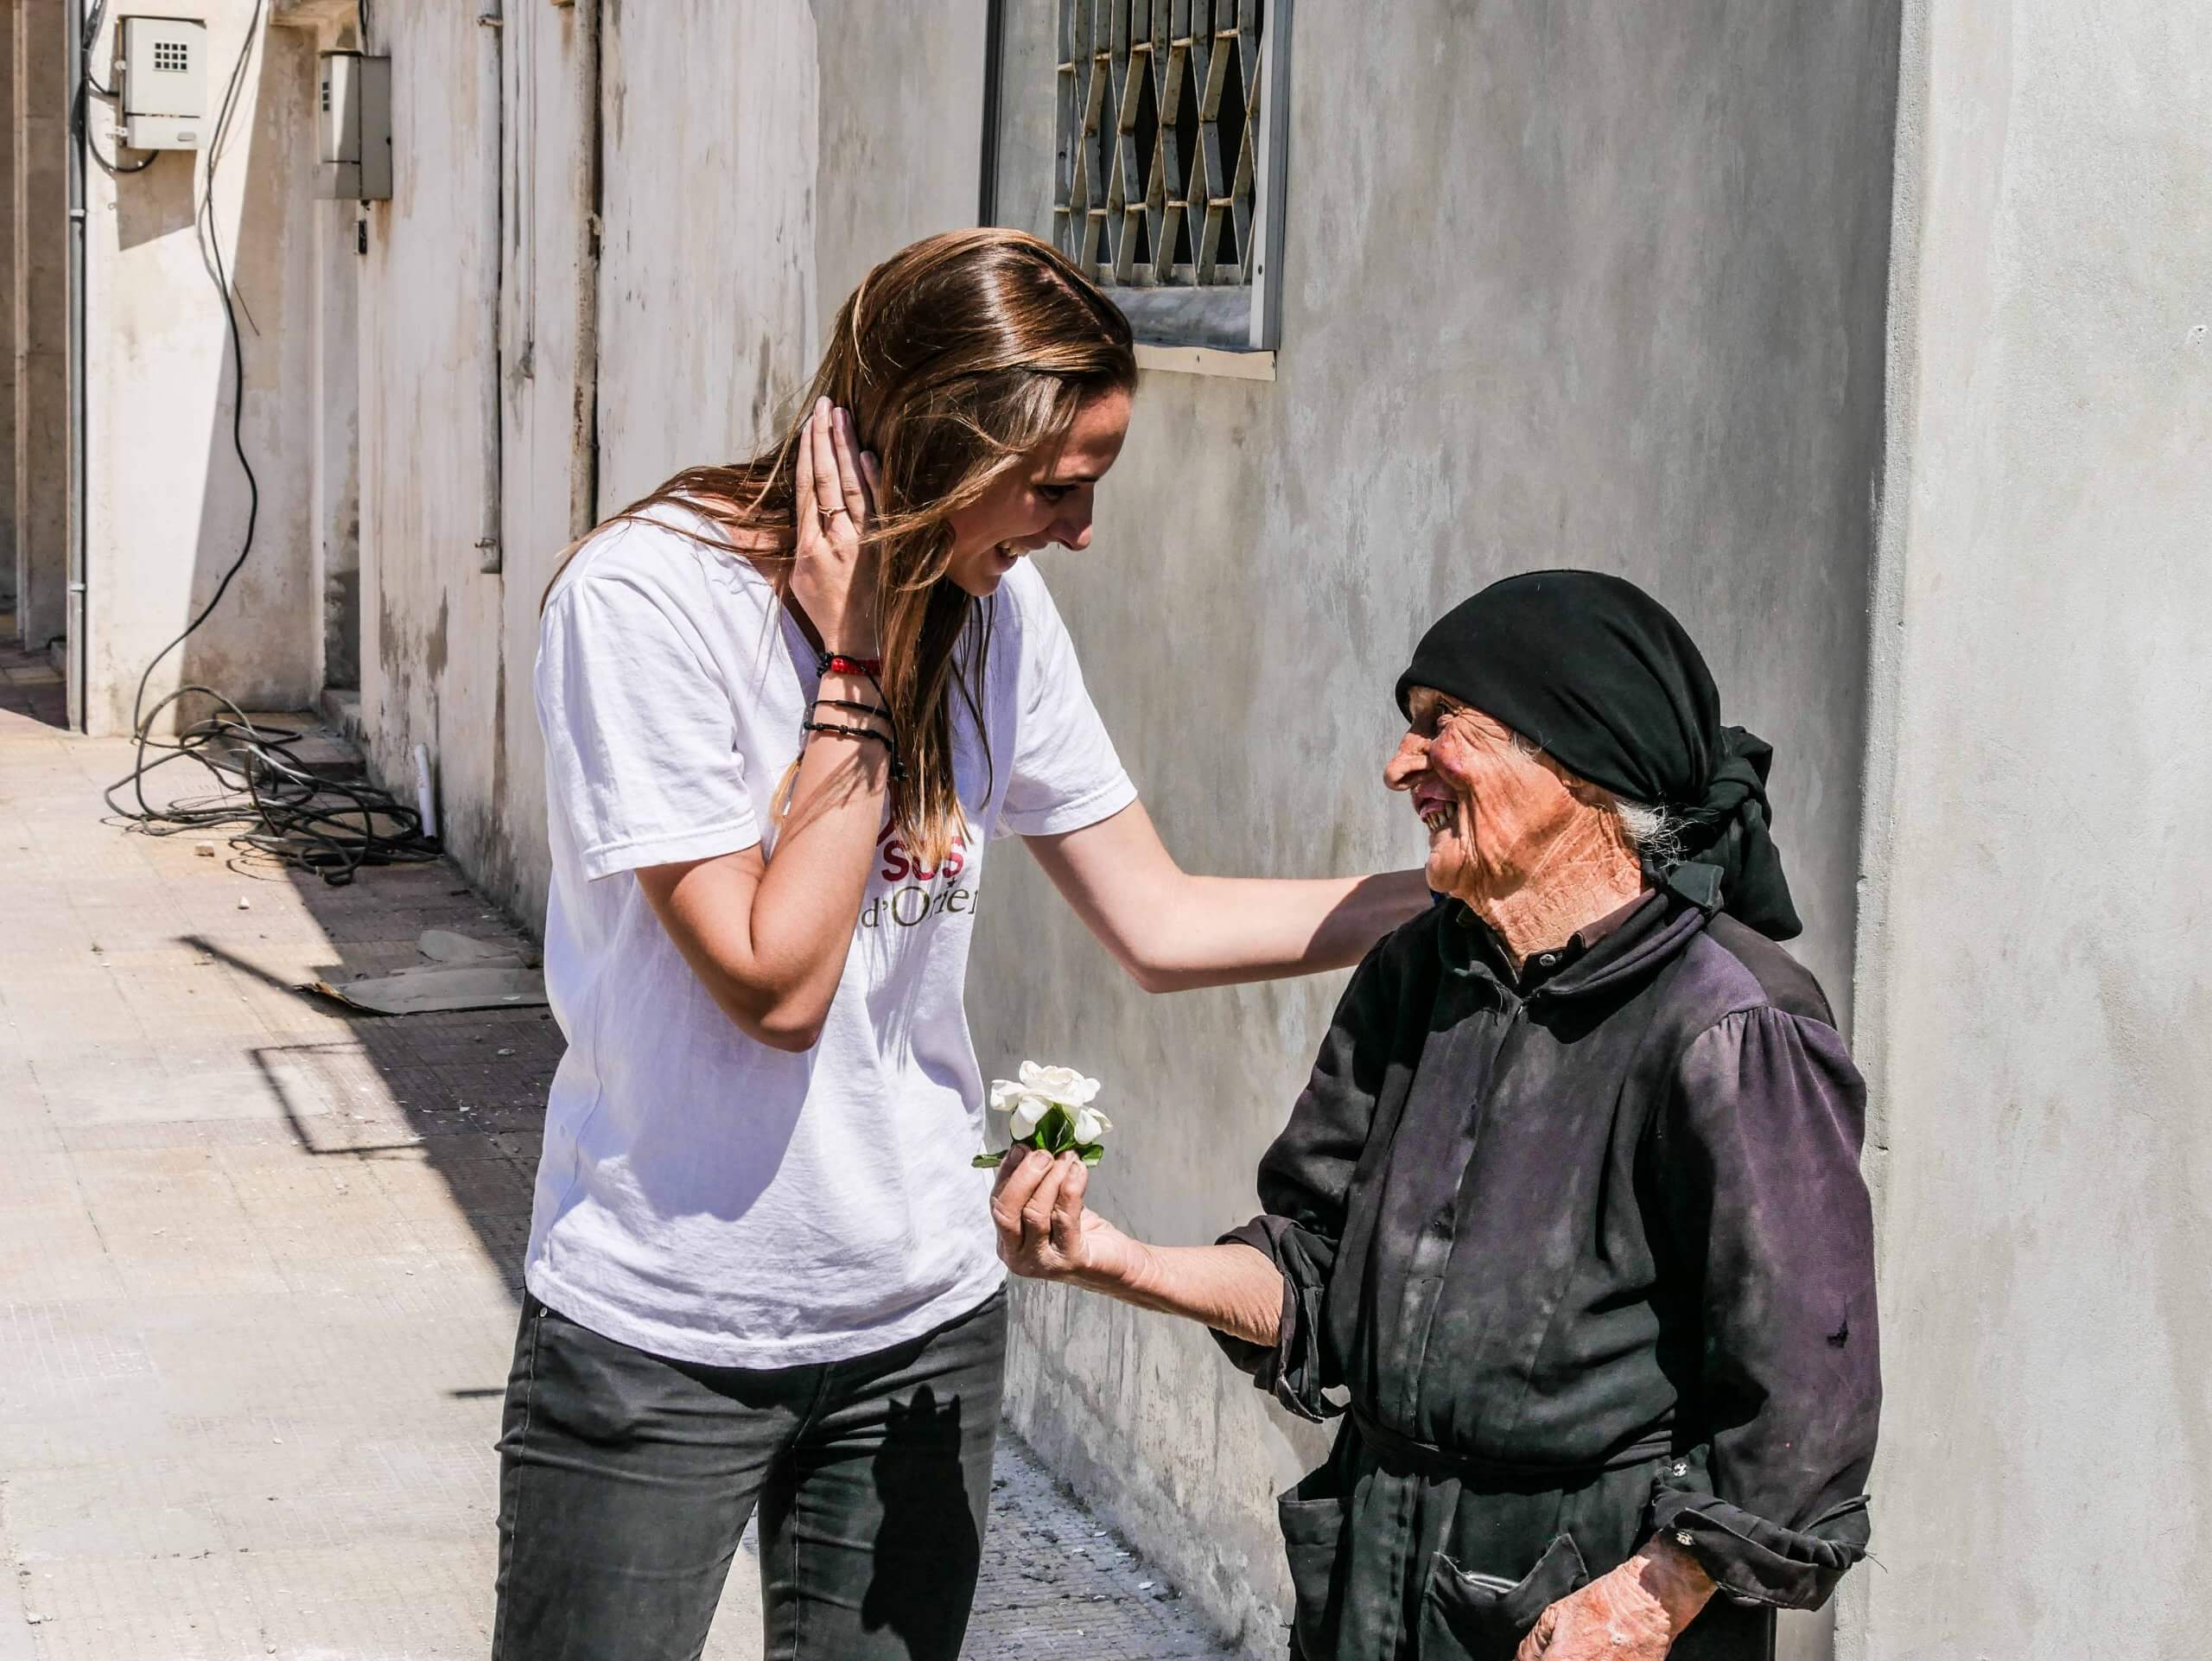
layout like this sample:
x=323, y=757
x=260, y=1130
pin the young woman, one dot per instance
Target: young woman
x=787, y=704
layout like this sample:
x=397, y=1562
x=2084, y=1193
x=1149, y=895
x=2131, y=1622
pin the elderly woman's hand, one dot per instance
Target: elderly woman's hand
x=1634, y=1614
x=1046, y=1233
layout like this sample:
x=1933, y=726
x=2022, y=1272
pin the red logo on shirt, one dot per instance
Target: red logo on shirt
x=923, y=891
x=900, y=864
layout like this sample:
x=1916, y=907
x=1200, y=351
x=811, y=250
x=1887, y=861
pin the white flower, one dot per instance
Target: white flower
x=1028, y=1112
x=1040, y=1089
x=1063, y=1085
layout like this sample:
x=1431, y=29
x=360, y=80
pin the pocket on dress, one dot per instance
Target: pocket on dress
x=1313, y=1541
x=1472, y=1617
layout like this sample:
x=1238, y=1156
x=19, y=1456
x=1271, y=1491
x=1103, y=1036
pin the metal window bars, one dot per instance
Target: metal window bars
x=1170, y=135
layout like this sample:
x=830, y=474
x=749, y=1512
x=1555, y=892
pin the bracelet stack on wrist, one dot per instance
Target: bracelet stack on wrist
x=870, y=669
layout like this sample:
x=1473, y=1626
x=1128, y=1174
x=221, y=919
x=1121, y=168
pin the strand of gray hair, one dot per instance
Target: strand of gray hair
x=1655, y=833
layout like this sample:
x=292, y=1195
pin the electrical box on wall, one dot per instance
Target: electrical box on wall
x=161, y=64
x=353, y=118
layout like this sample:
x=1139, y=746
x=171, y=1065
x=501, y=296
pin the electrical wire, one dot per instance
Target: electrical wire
x=277, y=806
x=113, y=168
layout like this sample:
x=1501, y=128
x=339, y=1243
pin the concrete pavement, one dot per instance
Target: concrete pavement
x=258, y=1265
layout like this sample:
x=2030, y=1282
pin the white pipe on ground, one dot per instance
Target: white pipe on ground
x=426, y=791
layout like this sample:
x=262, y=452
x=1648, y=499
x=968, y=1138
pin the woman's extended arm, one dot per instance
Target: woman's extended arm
x=1046, y=1233
x=1174, y=932
x=768, y=938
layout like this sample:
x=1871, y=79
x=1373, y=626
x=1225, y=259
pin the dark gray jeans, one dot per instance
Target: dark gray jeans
x=625, y=1480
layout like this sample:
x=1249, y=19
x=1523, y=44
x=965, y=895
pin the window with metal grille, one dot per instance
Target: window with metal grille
x=171, y=55
x=1170, y=154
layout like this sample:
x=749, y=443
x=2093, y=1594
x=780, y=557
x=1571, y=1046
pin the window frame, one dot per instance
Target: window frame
x=1243, y=318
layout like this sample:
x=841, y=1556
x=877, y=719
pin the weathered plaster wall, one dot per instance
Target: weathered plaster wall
x=901, y=132
x=8, y=304
x=1564, y=286
x=542, y=237
x=41, y=308
x=434, y=667
x=2036, y=1001
x=706, y=300
x=169, y=503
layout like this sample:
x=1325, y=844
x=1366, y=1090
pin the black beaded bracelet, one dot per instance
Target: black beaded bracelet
x=898, y=766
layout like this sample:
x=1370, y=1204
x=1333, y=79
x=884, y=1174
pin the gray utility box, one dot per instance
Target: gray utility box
x=161, y=65
x=354, y=125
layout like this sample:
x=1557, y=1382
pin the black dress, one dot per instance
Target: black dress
x=1588, y=1253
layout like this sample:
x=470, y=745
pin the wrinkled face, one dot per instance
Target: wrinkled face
x=1043, y=497
x=1494, y=811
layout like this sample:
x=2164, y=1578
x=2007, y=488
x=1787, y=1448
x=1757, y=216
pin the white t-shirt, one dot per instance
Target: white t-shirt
x=703, y=1196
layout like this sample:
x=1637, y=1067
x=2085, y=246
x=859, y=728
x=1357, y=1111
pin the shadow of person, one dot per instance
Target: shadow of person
x=928, y=1550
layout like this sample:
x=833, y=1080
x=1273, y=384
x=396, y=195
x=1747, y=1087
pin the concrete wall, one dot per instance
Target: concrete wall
x=8, y=305
x=2035, y=993
x=707, y=307
x=541, y=461
x=433, y=669
x=42, y=321
x=170, y=503
x=898, y=153
x=1563, y=286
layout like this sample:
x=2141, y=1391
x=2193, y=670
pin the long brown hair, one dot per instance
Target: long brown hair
x=956, y=356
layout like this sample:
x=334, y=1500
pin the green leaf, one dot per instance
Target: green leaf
x=1093, y=1154
x=987, y=1161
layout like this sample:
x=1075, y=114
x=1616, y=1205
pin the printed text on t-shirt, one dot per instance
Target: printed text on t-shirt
x=923, y=892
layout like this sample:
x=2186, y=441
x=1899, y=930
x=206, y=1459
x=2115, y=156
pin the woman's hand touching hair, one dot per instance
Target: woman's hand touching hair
x=833, y=570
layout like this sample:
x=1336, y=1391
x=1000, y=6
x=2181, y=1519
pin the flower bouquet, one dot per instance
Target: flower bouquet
x=1051, y=1110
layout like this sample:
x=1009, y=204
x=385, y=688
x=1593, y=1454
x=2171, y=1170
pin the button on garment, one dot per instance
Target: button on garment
x=1587, y=1249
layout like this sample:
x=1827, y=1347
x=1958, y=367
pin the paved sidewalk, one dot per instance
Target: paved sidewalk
x=259, y=1263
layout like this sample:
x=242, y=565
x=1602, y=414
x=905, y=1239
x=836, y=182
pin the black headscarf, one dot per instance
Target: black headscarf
x=1601, y=676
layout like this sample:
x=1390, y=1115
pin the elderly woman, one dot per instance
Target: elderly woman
x=1571, y=1210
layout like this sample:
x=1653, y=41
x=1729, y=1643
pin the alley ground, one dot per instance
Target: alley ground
x=258, y=1262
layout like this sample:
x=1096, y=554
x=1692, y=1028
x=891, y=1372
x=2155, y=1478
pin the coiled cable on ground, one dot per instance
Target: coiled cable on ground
x=269, y=801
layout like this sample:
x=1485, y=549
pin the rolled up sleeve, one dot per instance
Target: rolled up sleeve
x=1292, y=1371
x=1759, y=1158
x=1305, y=1177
